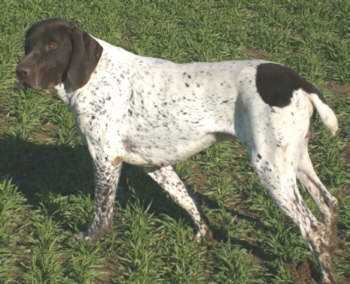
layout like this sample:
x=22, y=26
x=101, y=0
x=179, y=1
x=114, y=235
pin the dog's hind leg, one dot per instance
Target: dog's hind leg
x=277, y=172
x=168, y=180
x=325, y=201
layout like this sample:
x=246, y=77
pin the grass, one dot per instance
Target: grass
x=46, y=177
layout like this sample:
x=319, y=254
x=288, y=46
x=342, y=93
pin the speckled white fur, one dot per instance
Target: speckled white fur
x=152, y=112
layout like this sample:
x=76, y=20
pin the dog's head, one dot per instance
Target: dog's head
x=57, y=51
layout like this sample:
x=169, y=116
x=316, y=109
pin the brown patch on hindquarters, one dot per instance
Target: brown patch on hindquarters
x=117, y=160
x=276, y=84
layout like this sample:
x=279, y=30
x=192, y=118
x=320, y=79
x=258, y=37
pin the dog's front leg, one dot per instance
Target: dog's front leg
x=106, y=180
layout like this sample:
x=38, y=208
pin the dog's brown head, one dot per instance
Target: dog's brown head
x=57, y=51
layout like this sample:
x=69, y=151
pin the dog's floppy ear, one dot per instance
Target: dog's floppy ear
x=85, y=55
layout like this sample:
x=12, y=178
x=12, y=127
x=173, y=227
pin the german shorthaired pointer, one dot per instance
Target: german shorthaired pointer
x=153, y=112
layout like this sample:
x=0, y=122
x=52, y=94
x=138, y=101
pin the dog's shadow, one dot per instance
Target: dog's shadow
x=40, y=170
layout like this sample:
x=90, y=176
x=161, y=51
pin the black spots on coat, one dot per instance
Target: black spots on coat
x=226, y=85
x=225, y=101
x=316, y=228
x=198, y=85
x=258, y=158
x=129, y=145
x=130, y=112
x=187, y=77
x=185, y=74
x=131, y=95
x=276, y=83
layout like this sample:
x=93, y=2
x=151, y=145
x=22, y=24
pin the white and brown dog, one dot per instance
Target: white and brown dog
x=153, y=112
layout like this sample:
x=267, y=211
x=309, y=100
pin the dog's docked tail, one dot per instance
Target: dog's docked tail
x=326, y=113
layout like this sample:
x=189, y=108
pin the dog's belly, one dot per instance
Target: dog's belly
x=161, y=132
x=162, y=150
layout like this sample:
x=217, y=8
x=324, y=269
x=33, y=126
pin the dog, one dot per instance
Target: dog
x=154, y=113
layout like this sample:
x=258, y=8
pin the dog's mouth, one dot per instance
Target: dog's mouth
x=26, y=81
x=34, y=84
x=26, y=86
x=22, y=85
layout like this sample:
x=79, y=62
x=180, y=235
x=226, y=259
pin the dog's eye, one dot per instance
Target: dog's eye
x=51, y=45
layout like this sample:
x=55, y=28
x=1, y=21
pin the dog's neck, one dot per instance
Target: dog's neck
x=110, y=55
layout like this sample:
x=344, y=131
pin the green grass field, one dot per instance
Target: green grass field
x=46, y=183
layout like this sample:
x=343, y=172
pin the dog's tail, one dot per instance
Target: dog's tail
x=326, y=113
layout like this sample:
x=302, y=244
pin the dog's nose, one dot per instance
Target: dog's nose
x=23, y=72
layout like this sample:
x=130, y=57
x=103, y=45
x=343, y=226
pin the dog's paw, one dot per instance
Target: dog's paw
x=82, y=236
x=203, y=233
x=88, y=236
x=93, y=233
